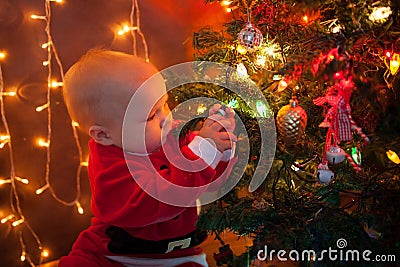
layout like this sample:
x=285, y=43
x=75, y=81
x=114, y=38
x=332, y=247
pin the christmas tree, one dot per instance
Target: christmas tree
x=329, y=70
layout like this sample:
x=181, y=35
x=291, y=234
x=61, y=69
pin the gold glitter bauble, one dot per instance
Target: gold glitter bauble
x=291, y=122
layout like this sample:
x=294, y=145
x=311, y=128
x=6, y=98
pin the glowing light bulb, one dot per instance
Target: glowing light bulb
x=126, y=28
x=45, y=63
x=242, y=71
x=261, y=109
x=241, y=49
x=336, y=29
x=42, y=189
x=84, y=163
x=261, y=60
x=393, y=156
x=229, y=10
x=226, y=3
x=45, y=253
x=22, y=180
x=42, y=107
x=305, y=18
x=380, y=14
x=6, y=219
x=18, y=222
x=42, y=143
x=38, y=17
x=23, y=256
x=8, y=181
x=356, y=155
x=10, y=93
x=45, y=45
x=233, y=103
x=79, y=207
x=55, y=84
x=4, y=139
x=3, y=55
x=201, y=109
x=394, y=63
x=75, y=124
x=282, y=85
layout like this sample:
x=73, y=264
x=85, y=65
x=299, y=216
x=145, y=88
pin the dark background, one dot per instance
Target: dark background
x=77, y=25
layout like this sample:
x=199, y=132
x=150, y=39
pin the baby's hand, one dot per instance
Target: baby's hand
x=214, y=130
x=226, y=116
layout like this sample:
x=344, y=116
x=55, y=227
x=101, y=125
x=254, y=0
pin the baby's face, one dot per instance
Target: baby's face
x=148, y=118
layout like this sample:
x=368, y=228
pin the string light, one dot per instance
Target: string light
x=135, y=29
x=380, y=14
x=4, y=139
x=23, y=256
x=42, y=189
x=42, y=143
x=42, y=107
x=393, y=156
x=8, y=181
x=261, y=109
x=242, y=71
x=84, y=163
x=125, y=29
x=79, y=207
x=18, y=222
x=226, y=3
x=3, y=55
x=10, y=93
x=394, y=63
x=233, y=103
x=241, y=50
x=55, y=84
x=201, y=109
x=6, y=219
x=38, y=17
x=45, y=253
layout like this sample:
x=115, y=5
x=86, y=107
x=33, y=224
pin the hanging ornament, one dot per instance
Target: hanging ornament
x=335, y=154
x=250, y=37
x=291, y=122
x=324, y=175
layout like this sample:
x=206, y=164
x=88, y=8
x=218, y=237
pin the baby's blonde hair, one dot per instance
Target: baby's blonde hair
x=93, y=86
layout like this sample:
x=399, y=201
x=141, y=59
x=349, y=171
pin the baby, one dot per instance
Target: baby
x=130, y=227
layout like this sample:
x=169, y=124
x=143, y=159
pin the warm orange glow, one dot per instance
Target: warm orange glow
x=45, y=253
x=241, y=49
x=282, y=85
x=393, y=156
x=55, y=84
x=394, y=63
x=79, y=207
x=3, y=55
x=38, y=17
x=42, y=143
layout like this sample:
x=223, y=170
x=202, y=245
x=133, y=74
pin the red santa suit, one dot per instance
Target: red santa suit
x=127, y=221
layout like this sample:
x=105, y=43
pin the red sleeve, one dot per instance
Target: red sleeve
x=118, y=200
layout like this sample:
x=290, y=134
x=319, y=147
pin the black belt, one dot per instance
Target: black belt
x=123, y=243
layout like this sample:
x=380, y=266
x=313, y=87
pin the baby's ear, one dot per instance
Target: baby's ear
x=101, y=135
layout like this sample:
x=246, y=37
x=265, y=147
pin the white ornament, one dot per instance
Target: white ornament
x=324, y=175
x=335, y=155
x=250, y=37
